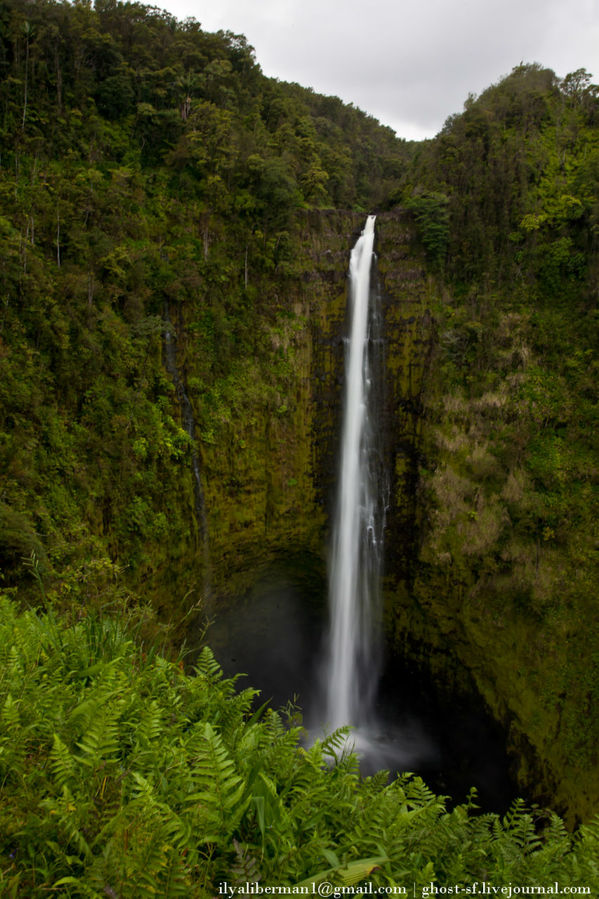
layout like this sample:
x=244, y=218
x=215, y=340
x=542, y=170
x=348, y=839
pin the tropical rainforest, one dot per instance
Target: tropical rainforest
x=175, y=230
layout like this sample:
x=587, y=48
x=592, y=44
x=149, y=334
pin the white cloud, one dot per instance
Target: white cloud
x=410, y=63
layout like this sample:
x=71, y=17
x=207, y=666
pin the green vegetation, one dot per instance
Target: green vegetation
x=149, y=173
x=430, y=210
x=123, y=775
x=520, y=168
x=508, y=563
x=174, y=232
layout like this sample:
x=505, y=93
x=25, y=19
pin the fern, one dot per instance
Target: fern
x=347, y=875
x=124, y=776
x=62, y=764
x=221, y=793
x=245, y=867
x=100, y=740
x=207, y=666
x=337, y=745
x=9, y=717
x=71, y=817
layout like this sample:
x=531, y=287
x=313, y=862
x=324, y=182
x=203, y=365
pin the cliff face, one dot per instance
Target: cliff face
x=494, y=588
x=267, y=433
x=105, y=487
x=268, y=478
x=408, y=297
x=487, y=586
x=457, y=566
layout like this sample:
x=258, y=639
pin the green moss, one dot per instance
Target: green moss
x=499, y=584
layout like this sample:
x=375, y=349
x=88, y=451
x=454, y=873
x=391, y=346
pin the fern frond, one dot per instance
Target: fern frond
x=9, y=716
x=101, y=739
x=70, y=816
x=335, y=745
x=223, y=791
x=150, y=727
x=348, y=875
x=62, y=763
x=245, y=868
x=208, y=667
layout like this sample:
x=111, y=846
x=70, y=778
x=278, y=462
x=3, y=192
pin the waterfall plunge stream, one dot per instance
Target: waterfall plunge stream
x=399, y=721
x=356, y=554
x=353, y=657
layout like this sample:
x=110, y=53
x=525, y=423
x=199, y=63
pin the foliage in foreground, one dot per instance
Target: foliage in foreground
x=122, y=775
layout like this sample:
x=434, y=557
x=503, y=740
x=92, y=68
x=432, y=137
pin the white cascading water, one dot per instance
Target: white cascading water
x=354, y=569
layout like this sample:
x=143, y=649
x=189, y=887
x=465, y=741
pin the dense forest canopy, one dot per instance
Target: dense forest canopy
x=128, y=83
x=162, y=205
x=144, y=163
x=518, y=169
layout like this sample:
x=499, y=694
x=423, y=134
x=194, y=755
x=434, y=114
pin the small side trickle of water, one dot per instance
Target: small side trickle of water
x=356, y=555
x=188, y=421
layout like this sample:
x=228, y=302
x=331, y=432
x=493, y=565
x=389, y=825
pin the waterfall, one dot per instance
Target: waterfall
x=356, y=552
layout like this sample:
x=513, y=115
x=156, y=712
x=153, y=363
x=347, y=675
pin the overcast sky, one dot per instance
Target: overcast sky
x=409, y=63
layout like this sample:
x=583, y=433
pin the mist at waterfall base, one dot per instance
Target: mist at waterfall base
x=398, y=720
x=274, y=635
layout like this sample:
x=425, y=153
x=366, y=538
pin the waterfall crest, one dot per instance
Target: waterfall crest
x=356, y=552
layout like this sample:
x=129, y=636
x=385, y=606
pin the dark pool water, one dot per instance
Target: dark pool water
x=274, y=636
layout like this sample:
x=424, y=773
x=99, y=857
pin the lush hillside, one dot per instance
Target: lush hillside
x=174, y=236
x=154, y=185
x=517, y=174
x=507, y=202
